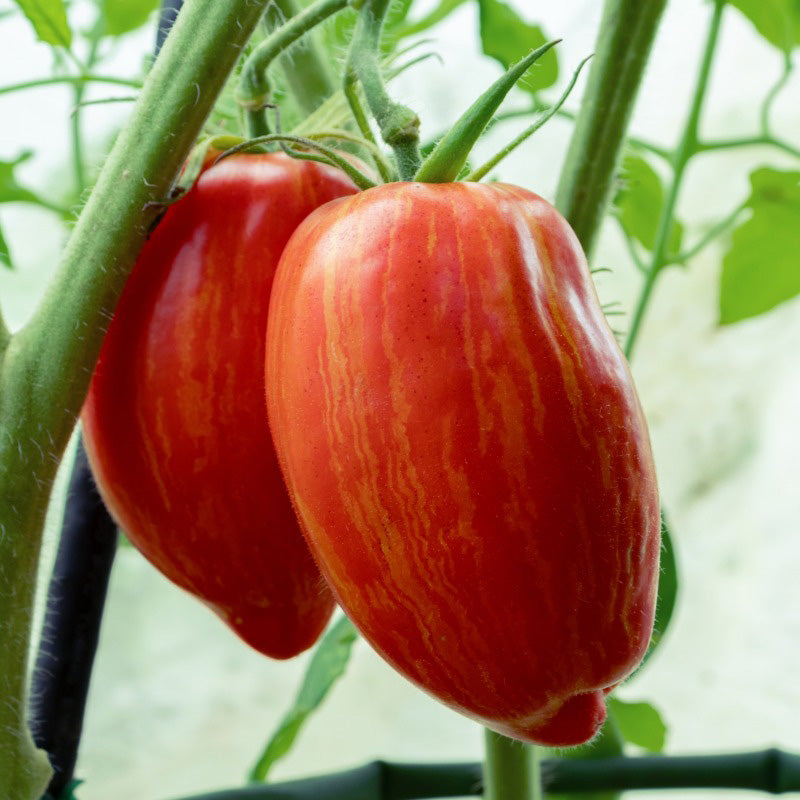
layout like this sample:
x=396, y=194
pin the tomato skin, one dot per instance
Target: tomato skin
x=174, y=421
x=463, y=443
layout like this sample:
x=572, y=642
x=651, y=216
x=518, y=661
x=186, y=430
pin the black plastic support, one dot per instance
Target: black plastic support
x=75, y=600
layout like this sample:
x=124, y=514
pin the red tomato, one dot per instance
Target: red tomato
x=174, y=422
x=463, y=443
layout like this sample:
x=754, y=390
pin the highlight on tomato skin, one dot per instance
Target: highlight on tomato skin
x=174, y=421
x=463, y=444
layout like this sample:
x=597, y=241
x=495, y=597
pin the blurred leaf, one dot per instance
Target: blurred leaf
x=639, y=202
x=124, y=16
x=762, y=267
x=327, y=665
x=639, y=724
x=778, y=21
x=5, y=255
x=10, y=190
x=49, y=20
x=506, y=37
x=667, y=587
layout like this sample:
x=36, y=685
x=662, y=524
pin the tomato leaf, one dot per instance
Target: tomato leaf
x=778, y=21
x=400, y=28
x=124, y=16
x=639, y=202
x=762, y=267
x=667, y=588
x=507, y=38
x=5, y=254
x=639, y=724
x=49, y=20
x=10, y=190
x=327, y=665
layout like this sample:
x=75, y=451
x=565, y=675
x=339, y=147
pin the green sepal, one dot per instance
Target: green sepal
x=449, y=156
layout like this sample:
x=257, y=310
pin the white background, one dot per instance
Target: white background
x=178, y=705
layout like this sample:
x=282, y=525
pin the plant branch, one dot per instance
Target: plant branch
x=510, y=771
x=687, y=147
x=773, y=93
x=305, y=67
x=712, y=233
x=47, y=365
x=254, y=88
x=748, y=141
x=70, y=79
x=398, y=124
x=626, y=35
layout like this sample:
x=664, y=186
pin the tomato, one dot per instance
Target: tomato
x=462, y=441
x=174, y=422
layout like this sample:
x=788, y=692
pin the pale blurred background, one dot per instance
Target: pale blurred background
x=179, y=705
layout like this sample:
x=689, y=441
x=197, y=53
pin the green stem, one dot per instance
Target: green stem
x=254, y=88
x=773, y=93
x=305, y=67
x=511, y=769
x=712, y=233
x=748, y=141
x=687, y=147
x=71, y=79
x=78, y=159
x=398, y=124
x=45, y=370
x=626, y=36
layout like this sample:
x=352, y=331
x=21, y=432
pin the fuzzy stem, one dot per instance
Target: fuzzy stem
x=687, y=147
x=623, y=45
x=254, y=89
x=398, y=124
x=45, y=370
x=305, y=67
x=511, y=769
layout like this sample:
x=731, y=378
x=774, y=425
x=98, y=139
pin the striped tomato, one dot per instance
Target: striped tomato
x=463, y=444
x=174, y=422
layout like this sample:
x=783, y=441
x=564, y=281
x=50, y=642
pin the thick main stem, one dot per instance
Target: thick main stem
x=45, y=370
x=687, y=147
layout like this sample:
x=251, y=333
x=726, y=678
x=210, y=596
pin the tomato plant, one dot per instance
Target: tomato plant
x=174, y=423
x=463, y=444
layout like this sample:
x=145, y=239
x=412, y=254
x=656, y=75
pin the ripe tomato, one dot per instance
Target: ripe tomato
x=462, y=441
x=174, y=422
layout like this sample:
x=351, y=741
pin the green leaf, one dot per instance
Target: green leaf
x=5, y=254
x=667, y=588
x=639, y=724
x=124, y=16
x=762, y=267
x=639, y=202
x=49, y=20
x=10, y=190
x=326, y=667
x=778, y=21
x=506, y=37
